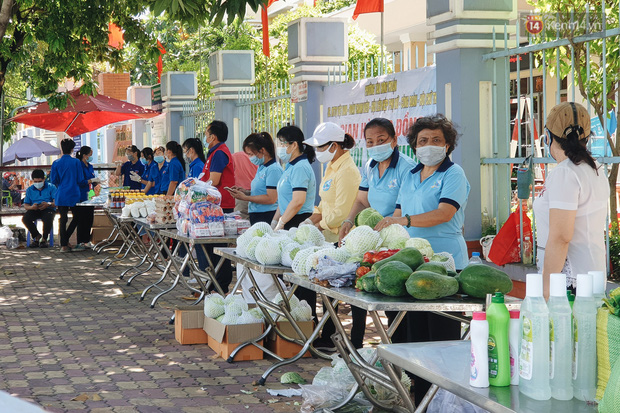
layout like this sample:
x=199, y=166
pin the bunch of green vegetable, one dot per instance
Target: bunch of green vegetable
x=613, y=302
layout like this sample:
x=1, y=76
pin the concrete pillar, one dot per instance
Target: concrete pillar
x=177, y=89
x=463, y=34
x=316, y=47
x=230, y=72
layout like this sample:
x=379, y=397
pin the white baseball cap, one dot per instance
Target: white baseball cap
x=324, y=133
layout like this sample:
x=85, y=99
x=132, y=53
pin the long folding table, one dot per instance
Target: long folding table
x=124, y=230
x=269, y=308
x=373, y=303
x=447, y=364
x=177, y=262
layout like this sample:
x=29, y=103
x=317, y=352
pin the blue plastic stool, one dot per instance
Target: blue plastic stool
x=51, y=236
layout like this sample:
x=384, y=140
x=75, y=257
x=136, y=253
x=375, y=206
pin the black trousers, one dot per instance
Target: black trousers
x=261, y=217
x=84, y=215
x=64, y=230
x=46, y=215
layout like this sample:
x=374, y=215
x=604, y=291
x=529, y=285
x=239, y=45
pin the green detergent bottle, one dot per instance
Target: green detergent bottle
x=499, y=349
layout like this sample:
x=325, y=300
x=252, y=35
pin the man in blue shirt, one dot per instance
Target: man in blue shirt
x=67, y=174
x=39, y=204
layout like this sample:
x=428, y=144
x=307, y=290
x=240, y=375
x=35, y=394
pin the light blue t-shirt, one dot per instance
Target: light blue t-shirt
x=298, y=176
x=383, y=191
x=448, y=184
x=267, y=177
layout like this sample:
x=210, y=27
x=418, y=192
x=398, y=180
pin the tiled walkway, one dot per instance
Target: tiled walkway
x=75, y=338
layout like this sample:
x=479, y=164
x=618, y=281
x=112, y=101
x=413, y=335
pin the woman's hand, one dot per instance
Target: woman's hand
x=345, y=228
x=237, y=194
x=386, y=222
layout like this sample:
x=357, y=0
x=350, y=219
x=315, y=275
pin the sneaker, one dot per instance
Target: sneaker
x=43, y=244
x=65, y=249
x=324, y=344
x=34, y=243
x=89, y=245
x=79, y=247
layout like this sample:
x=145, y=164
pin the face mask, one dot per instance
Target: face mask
x=283, y=155
x=39, y=185
x=187, y=159
x=548, y=140
x=159, y=159
x=380, y=153
x=326, y=155
x=143, y=161
x=90, y=159
x=431, y=155
x=256, y=160
x=130, y=158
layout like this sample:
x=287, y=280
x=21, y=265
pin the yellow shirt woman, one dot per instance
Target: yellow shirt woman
x=341, y=181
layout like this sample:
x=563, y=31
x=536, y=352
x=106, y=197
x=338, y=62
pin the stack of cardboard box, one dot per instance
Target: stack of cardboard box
x=102, y=227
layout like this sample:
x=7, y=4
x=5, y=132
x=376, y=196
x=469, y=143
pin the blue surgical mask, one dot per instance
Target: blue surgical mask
x=90, y=159
x=256, y=160
x=143, y=161
x=283, y=155
x=159, y=159
x=38, y=185
x=380, y=153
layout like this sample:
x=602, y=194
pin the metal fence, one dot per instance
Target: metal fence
x=196, y=116
x=547, y=56
x=265, y=108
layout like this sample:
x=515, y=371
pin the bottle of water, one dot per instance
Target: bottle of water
x=560, y=339
x=527, y=251
x=479, y=362
x=599, y=285
x=584, y=347
x=475, y=258
x=534, y=352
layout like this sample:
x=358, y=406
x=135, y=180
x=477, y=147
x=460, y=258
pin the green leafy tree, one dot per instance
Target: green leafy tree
x=587, y=54
x=45, y=42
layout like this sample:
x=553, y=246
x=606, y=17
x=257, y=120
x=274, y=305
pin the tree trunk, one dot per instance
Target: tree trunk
x=5, y=16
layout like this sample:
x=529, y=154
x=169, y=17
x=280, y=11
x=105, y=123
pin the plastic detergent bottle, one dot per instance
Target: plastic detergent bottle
x=514, y=335
x=571, y=298
x=584, y=347
x=479, y=363
x=475, y=258
x=534, y=351
x=560, y=339
x=599, y=284
x=499, y=352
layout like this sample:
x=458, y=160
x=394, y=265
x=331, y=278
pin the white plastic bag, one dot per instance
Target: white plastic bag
x=446, y=402
x=265, y=284
x=5, y=233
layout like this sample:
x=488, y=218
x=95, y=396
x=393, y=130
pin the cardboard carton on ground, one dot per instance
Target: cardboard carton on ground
x=284, y=348
x=99, y=234
x=101, y=220
x=225, y=339
x=188, y=323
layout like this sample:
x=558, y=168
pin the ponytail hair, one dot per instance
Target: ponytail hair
x=177, y=150
x=134, y=149
x=258, y=141
x=83, y=151
x=148, y=153
x=575, y=149
x=348, y=142
x=292, y=134
x=196, y=145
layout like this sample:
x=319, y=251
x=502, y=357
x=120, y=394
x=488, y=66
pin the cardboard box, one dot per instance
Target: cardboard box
x=225, y=339
x=101, y=220
x=284, y=348
x=188, y=323
x=99, y=234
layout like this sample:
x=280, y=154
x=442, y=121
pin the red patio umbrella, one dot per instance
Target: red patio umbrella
x=84, y=114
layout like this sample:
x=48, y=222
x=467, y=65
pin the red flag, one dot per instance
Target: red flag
x=160, y=63
x=265, y=22
x=367, y=6
x=115, y=36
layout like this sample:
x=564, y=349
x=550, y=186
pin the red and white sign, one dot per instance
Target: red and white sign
x=299, y=92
